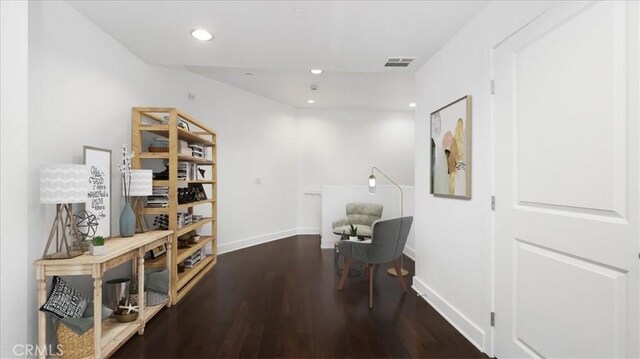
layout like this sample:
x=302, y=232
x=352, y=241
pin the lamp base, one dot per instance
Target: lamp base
x=392, y=272
x=141, y=222
x=64, y=247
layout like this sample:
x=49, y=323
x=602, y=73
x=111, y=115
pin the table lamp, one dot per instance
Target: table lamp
x=62, y=185
x=372, y=191
x=141, y=185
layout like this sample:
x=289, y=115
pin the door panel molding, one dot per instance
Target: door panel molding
x=567, y=163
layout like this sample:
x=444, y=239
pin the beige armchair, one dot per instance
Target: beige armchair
x=361, y=216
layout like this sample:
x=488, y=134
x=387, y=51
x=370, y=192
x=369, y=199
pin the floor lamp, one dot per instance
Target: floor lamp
x=62, y=185
x=141, y=185
x=372, y=191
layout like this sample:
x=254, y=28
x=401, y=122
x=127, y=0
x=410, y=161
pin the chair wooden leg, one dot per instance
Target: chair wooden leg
x=345, y=271
x=371, y=286
x=398, y=267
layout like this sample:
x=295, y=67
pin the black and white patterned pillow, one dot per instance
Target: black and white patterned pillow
x=64, y=301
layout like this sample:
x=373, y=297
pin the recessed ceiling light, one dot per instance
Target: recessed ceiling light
x=316, y=71
x=249, y=73
x=413, y=104
x=202, y=35
x=311, y=102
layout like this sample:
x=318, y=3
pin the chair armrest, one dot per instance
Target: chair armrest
x=340, y=222
x=373, y=226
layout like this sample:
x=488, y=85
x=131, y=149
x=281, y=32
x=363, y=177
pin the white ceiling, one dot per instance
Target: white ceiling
x=279, y=41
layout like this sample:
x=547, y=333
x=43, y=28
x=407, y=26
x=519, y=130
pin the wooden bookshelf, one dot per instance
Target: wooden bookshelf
x=164, y=122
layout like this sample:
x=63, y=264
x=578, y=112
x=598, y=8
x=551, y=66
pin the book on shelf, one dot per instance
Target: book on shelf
x=194, y=259
x=160, y=191
x=197, y=150
x=187, y=171
x=160, y=197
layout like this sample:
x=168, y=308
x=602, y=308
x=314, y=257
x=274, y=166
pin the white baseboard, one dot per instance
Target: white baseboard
x=308, y=230
x=466, y=327
x=249, y=242
x=254, y=241
x=327, y=244
x=409, y=252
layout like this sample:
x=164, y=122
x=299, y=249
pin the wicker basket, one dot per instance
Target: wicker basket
x=151, y=298
x=158, y=149
x=155, y=298
x=72, y=345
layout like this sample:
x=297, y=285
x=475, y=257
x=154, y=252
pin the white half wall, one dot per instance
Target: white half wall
x=336, y=197
x=82, y=86
x=339, y=147
x=15, y=266
x=454, y=237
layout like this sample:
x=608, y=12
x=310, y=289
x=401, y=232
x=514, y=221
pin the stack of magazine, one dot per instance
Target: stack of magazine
x=194, y=259
x=184, y=219
x=160, y=197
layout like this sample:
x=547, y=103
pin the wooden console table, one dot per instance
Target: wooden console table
x=109, y=334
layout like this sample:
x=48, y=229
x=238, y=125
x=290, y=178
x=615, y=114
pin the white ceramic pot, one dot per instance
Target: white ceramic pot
x=353, y=238
x=98, y=250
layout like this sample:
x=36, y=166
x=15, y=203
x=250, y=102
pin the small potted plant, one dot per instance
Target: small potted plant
x=97, y=246
x=353, y=232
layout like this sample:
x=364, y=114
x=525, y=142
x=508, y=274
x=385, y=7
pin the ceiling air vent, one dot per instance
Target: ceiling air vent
x=399, y=61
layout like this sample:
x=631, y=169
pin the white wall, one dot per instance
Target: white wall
x=14, y=265
x=82, y=86
x=339, y=147
x=335, y=198
x=453, y=237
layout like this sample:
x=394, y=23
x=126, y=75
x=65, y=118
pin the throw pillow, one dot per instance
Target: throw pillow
x=64, y=301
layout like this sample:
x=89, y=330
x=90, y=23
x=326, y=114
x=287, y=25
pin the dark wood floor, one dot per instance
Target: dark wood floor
x=279, y=300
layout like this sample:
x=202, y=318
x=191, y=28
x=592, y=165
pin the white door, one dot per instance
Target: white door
x=566, y=164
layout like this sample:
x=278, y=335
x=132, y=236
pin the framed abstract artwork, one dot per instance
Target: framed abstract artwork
x=451, y=150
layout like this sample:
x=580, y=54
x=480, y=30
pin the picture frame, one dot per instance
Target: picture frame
x=158, y=251
x=450, y=133
x=199, y=191
x=99, y=198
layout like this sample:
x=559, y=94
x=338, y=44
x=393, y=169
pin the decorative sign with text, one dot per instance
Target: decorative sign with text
x=99, y=200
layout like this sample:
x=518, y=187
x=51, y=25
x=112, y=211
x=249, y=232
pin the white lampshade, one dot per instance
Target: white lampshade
x=141, y=183
x=372, y=185
x=65, y=183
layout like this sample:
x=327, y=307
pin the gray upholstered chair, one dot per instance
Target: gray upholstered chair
x=361, y=215
x=387, y=244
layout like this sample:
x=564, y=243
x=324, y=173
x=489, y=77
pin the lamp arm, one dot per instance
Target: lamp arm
x=400, y=188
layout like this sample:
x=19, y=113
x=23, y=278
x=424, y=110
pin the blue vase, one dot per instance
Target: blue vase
x=127, y=221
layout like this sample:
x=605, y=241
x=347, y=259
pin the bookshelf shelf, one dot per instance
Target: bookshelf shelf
x=163, y=130
x=166, y=155
x=182, y=183
x=186, y=252
x=150, y=210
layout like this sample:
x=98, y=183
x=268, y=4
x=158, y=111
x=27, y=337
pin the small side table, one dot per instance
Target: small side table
x=355, y=270
x=108, y=335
